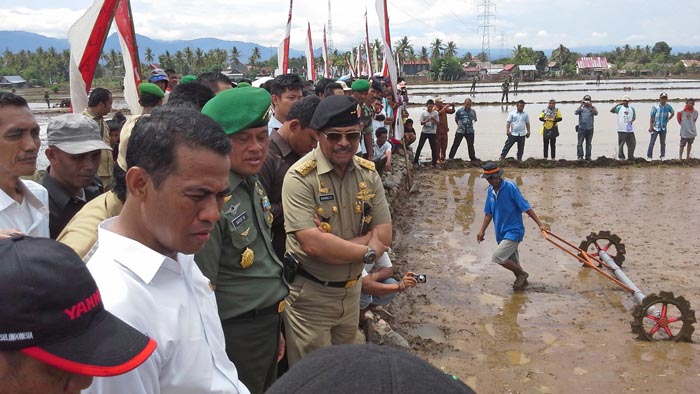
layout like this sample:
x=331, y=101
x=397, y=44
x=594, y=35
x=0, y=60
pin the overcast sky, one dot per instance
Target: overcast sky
x=541, y=24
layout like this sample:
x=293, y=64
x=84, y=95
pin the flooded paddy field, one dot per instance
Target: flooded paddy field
x=569, y=331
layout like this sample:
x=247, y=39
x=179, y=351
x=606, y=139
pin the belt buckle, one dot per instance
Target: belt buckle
x=280, y=306
x=350, y=283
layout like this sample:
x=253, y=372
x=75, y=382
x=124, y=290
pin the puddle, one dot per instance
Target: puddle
x=429, y=331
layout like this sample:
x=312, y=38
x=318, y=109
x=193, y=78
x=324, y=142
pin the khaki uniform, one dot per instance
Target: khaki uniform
x=106, y=169
x=316, y=315
x=81, y=232
x=240, y=262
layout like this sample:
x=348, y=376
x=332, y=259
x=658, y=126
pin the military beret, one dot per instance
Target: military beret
x=239, y=109
x=335, y=111
x=150, y=88
x=360, y=85
x=188, y=78
x=243, y=85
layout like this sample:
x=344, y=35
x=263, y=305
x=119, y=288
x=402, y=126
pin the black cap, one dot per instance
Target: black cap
x=335, y=111
x=356, y=369
x=51, y=310
x=586, y=98
x=491, y=170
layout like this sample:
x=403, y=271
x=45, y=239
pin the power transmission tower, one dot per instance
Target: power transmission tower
x=329, y=39
x=487, y=12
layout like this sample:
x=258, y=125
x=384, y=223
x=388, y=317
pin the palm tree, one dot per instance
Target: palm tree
x=423, y=57
x=451, y=49
x=189, y=58
x=403, y=50
x=149, y=56
x=197, y=58
x=254, y=57
x=235, y=55
x=436, y=48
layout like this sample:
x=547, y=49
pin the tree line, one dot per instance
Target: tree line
x=50, y=67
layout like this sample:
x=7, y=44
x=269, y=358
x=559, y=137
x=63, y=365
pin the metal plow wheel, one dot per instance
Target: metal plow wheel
x=607, y=242
x=663, y=317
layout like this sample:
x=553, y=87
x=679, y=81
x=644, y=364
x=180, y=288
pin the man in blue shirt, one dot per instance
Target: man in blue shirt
x=505, y=205
x=586, y=113
x=517, y=129
x=658, y=120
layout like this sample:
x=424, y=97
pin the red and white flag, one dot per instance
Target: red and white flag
x=326, y=69
x=132, y=66
x=87, y=38
x=310, y=63
x=389, y=61
x=367, y=47
x=283, y=49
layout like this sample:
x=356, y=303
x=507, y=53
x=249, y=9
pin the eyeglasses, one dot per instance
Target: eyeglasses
x=335, y=137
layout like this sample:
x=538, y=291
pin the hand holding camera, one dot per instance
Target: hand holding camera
x=408, y=280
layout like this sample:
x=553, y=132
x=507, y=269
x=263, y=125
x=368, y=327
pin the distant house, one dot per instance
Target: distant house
x=690, y=63
x=12, y=81
x=527, y=71
x=413, y=67
x=591, y=65
x=554, y=69
x=235, y=70
x=470, y=72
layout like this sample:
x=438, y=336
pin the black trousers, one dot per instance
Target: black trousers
x=458, y=140
x=512, y=139
x=550, y=142
x=433, y=147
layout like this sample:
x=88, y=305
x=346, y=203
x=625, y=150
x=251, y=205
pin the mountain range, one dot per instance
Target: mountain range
x=15, y=41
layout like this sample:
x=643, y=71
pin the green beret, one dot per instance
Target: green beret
x=361, y=85
x=239, y=109
x=243, y=85
x=335, y=111
x=188, y=78
x=150, y=88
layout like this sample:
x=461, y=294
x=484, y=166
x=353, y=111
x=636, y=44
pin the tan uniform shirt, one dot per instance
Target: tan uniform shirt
x=312, y=186
x=81, y=232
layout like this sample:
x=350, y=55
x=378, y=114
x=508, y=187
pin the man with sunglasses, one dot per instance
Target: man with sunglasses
x=337, y=219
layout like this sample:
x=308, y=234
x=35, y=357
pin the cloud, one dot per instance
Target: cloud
x=599, y=35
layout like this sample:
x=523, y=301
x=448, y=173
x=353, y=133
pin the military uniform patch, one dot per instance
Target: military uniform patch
x=306, y=167
x=247, y=258
x=365, y=163
x=326, y=197
x=240, y=219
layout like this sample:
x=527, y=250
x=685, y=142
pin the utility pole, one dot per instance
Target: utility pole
x=487, y=12
x=329, y=39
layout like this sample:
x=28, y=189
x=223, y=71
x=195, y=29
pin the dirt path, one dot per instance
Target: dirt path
x=570, y=331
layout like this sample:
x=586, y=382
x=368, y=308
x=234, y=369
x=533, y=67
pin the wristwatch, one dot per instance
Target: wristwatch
x=370, y=257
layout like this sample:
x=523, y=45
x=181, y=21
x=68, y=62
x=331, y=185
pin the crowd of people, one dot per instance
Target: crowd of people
x=238, y=228
x=518, y=128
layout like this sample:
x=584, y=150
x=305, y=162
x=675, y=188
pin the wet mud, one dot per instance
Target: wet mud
x=569, y=331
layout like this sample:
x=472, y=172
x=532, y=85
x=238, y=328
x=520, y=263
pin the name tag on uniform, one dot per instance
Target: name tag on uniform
x=326, y=197
x=240, y=219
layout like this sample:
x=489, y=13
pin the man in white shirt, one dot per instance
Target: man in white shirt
x=177, y=180
x=517, y=130
x=382, y=150
x=23, y=204
x=625, y=132
x=286, y=90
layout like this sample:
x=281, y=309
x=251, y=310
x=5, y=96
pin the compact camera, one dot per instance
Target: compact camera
x=420, y=278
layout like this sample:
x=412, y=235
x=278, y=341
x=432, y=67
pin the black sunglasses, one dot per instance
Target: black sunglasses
x=335, y=137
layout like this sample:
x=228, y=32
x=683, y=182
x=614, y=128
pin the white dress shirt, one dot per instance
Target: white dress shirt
x=173, y=303
x=31, y=216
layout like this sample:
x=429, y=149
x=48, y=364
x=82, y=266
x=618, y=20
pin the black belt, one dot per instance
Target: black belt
x=273, y=309
x=342, y=284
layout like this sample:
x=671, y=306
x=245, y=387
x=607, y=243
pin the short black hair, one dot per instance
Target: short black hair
x=117, y=121
x=149, y=100
x=380, y=131
x=328, y=91
x=154, y=139
x=303, y=110
x=285, y=82
x=119, y=183
x=212, y=79
x=170, y=71
x=192, y=94
x=321, y=85
x=429, y=102
x=520, y=102
x=99, y=96
x=409, y=120
x=12, y=100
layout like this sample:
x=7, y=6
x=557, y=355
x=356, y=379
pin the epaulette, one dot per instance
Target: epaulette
x=306, y=167
x=365, y=163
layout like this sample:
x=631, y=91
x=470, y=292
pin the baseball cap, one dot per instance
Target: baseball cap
x=366, y=368
x=74, y=134
x=586, y=98
x=626, y=98
x=51, y=310
x=344, y=85
x=664, y=94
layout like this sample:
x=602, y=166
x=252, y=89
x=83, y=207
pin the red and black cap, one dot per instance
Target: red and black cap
x=51, y=310
x=491, y=170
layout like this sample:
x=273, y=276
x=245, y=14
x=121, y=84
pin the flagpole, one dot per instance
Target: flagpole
x=326, y=73
x=310, y=63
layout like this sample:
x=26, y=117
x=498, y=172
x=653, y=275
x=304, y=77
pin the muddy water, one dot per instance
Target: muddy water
x=569, y=331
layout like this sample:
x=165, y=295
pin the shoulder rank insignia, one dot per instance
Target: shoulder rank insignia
x=227, y=198
x=245, y=232
x=247, y=258
x=365, y=163
x=306, y=167
x=364, y=195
